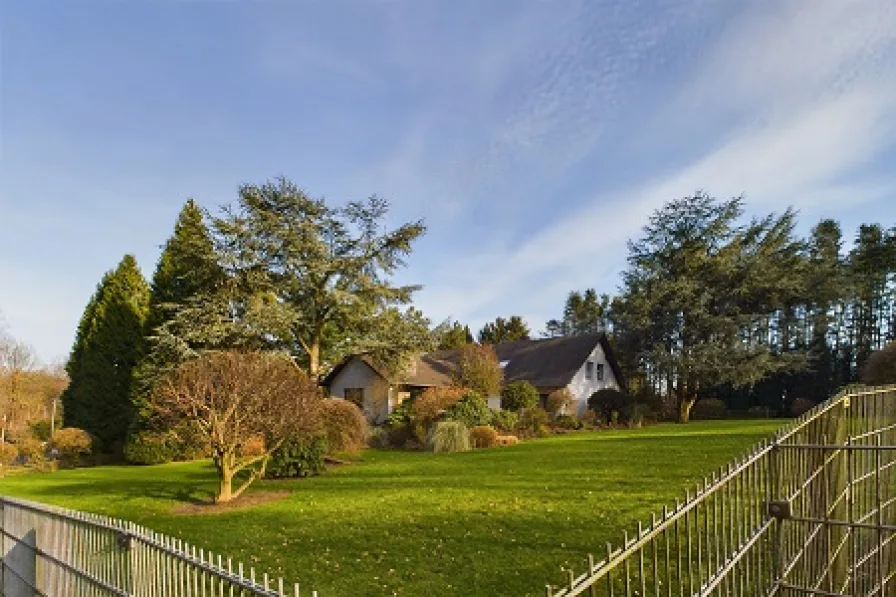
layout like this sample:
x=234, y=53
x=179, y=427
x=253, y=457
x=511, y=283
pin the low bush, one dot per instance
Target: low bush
x=507, y=440
x=567, y=422
x=709, y=409
x=402, y=437
x=519, y=395
x=606, y=402
x=534, y=422
x=560, y=402
x=151, y=447
x=298, y=457
x=759, y=412
x=505, y=421
x=448, y=436
x=33, y=451
x=471, y=410
x=401, y=414
x=429, y=406
x=801, y=406
x=483, y=436
x=880, y=368
x=378, y=437
x=590, y=419
x=344, y=425
x=9, y=454
x=73, y=446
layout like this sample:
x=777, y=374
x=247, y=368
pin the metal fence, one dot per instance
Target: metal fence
x=54, y=552
x=810, y=512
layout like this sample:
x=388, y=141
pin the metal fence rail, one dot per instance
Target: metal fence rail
x=810, y=512
x=54, y=552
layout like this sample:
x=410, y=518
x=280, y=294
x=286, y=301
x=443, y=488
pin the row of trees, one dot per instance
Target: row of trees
x=277, y=271
x=29, y=392
x=453, y=334
x=712, y=305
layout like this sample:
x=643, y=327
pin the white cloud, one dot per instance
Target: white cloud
x=816, y=89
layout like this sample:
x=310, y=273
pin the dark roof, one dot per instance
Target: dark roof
x=547, y=364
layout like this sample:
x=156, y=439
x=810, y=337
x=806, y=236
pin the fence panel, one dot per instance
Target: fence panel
x=810, y=512
x=54, y=552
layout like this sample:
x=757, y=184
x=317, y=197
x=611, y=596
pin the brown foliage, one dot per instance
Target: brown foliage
x=73, y=446
x=559, y=402
x=483, y=436
x=478, y=369
x=880, y=368
x=429, y=405
x=344, y=426
x=8, y=454
x=33, y=450
x=232, y=397
x=507, y=440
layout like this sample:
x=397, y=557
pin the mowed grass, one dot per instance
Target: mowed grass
x=492, y=522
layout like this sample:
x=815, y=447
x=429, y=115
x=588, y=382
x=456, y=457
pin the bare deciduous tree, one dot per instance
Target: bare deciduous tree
x=233, y=398
x=16, y=358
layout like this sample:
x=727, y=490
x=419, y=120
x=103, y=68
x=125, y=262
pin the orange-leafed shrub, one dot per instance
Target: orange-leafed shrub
x=483, y=436
x=72, y=445
x=344, y=425
x=507, y=440
x=429, y=406
x=559, y=402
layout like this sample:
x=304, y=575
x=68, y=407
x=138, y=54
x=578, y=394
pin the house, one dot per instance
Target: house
x=581, y=364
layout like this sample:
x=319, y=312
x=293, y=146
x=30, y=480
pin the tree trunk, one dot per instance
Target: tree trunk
x=684, y=408
x=314, y=359
x=225, y=486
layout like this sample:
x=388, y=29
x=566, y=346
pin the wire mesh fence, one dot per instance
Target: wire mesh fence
x=54, y=552
x=810, y=512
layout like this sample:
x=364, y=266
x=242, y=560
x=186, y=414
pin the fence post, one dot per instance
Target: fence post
x=838, y=490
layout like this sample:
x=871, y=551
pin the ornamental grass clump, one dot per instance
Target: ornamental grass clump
x=449, y=436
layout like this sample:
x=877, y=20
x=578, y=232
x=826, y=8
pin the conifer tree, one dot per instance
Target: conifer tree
x=504, y=330
x=187, y=269
x=107, y=347
x=187, y=266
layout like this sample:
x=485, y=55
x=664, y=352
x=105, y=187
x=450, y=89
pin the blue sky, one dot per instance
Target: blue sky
x=534, y=137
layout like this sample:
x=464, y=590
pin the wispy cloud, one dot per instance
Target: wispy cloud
x=804, y=116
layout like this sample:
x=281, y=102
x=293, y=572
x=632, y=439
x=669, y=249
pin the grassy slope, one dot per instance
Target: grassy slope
x=495, y=522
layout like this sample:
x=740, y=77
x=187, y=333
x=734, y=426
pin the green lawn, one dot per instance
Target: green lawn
x=493, y=522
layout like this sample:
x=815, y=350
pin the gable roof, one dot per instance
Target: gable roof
x=547, y=364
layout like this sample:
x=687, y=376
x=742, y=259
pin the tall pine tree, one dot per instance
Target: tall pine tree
x=108, y=345
x=187, y=268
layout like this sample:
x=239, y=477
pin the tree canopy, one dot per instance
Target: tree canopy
x=504, y=330
x=452, y=334
x=310, y=278
x=704, y=294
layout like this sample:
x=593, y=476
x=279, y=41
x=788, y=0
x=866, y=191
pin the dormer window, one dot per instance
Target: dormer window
x=600, y=372
x=589, y=370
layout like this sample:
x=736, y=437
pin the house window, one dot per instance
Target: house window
x=600, y=372
x=355, y=396
x=589, y=370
